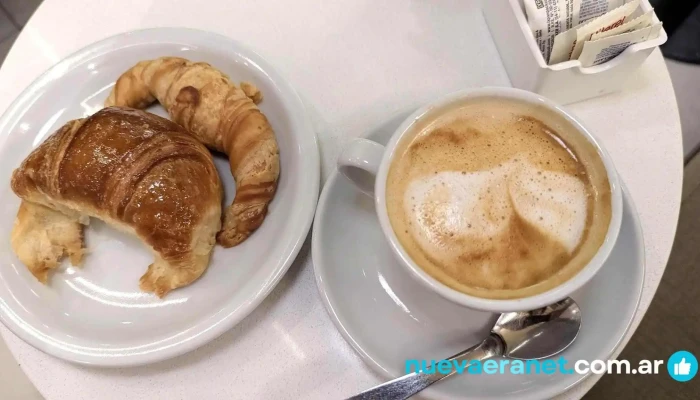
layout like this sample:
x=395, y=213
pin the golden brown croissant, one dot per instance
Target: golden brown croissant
x=136, y=171
x=223, y=117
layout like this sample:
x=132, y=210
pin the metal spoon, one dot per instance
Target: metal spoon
x=530, y=335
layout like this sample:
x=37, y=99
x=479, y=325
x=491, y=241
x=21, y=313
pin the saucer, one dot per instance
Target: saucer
x=388, y=317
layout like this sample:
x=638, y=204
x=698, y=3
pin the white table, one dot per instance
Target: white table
x=355, y=63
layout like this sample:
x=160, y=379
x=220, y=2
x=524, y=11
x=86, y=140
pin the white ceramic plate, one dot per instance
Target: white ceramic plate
x=97, y=314
x=388, y=317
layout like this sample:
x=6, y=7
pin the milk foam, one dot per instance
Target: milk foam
x=454, y=214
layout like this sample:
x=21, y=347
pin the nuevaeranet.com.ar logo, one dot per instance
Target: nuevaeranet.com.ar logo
x=682, y=366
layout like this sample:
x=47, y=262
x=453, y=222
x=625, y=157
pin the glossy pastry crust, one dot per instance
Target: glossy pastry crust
x=221, y=115
x=138, y=172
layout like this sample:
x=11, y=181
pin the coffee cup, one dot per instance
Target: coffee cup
x=500, y=237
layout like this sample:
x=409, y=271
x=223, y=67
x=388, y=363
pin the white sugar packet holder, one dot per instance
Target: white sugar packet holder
x=569, y=81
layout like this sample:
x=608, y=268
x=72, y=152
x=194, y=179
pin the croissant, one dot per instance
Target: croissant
x=222, y=116
x=138, y=172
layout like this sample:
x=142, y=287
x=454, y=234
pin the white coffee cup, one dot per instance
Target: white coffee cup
x=366, y=164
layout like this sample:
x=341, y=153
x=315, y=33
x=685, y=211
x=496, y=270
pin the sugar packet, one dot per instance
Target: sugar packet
x=548, y=18
x=596, y=52
x=640, y=22
x=568, y=45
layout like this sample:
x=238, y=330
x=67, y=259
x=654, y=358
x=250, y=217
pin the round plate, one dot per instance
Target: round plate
x=96, y=314
x=388, y=317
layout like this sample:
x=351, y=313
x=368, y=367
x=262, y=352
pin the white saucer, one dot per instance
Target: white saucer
x=96, y=314
x=387, y=317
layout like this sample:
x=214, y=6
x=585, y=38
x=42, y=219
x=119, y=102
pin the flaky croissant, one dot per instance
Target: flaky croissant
x=41, y=237
x=136, y=171
x=222, y=116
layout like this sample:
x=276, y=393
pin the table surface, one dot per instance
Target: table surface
x=355, y=65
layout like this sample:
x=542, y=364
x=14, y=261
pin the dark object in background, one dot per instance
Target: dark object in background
x=681, y=20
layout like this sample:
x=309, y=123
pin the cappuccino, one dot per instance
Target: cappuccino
x=498, y=198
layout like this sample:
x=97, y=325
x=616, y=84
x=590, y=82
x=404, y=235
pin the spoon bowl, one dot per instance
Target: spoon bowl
x=540, y=333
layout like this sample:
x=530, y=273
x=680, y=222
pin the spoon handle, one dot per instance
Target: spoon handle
x=408, y=385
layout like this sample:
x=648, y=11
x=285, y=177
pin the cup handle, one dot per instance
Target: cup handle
x=359, y=161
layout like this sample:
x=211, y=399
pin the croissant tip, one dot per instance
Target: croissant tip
x=225, y=239
x=148, y=285
x=154, y=283
x=42, y=275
